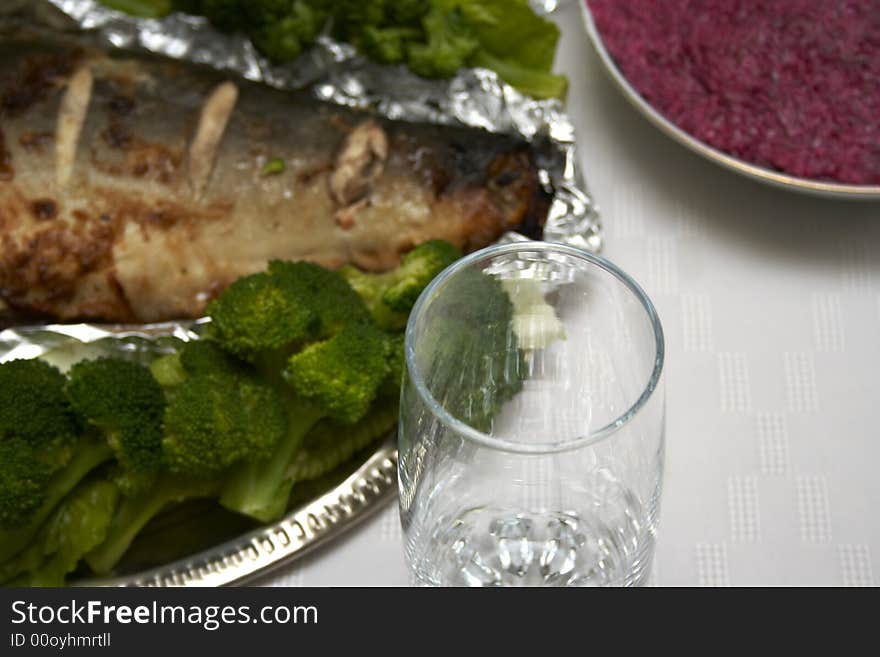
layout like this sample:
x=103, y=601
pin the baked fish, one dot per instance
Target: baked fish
x=134, y=189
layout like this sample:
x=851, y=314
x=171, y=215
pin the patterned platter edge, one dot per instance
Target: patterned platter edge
x=256, y=553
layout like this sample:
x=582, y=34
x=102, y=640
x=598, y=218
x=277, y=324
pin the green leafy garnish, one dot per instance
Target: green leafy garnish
x=141, y=8
x=435, y=38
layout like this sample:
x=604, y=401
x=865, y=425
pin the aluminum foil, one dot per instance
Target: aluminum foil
x=334, y=72
x=64, y=344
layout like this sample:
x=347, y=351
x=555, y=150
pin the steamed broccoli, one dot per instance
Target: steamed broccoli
x=41, y=454
x=433, y=37
x=266, y=317
x=282, y=30
x=387, y=45
x=87, y=455
x=325, y=355
x=77, y=526
x=317, y=444
x=34, y=408
x=330, y=355
x=372, y=28
x=125, y=404
x=448, y=45
x=297, y=371
x=391, y=295
x=218, y=414
x=341, y=376
x=337, y=378
x=134, y=512
x=23, y=481
x=217, y=420
x=330, y=444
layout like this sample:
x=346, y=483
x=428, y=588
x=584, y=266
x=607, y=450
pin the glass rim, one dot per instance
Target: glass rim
x=502, y=444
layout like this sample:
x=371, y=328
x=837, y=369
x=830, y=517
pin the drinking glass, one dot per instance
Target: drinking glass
x=531, y=436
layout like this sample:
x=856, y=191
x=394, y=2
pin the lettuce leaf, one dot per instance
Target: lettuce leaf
x=511, y=39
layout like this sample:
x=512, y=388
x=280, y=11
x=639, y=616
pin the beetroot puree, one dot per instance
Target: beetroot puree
x=791, y=85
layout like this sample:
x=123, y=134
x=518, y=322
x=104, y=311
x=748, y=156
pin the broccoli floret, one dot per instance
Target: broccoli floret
x=391, y=295
x=258, y=315
x=327, y=292
x=187, y=6
x=337, y=372
x=339, y=378
x=315, y=445
x=218, y=414
x=34, y=408
x=199, y=357
x=341, y=375
x=215, y=421
x=283, y=29
x=328, y=445
x=396, y=364
x=407, y=12
x=168, y=370
x=449, y=42
x=126, y=404
x=387, y=45
x=38, y=435
x=259, y=12
x=265, y=317
x=350, y=16
x=193, y=358
x=23, y=481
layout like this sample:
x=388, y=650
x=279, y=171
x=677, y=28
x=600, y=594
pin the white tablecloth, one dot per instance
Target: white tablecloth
x=771, y=306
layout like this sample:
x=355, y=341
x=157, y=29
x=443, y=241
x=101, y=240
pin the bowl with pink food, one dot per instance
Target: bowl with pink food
x=783, y=91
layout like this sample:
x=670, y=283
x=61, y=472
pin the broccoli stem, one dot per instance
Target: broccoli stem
x=86, y=457
x=335, y=445
x=257, y=489
x=136, y=511
x=23, y=562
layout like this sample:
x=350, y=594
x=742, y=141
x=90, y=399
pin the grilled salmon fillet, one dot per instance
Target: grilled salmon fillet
x=135, y=189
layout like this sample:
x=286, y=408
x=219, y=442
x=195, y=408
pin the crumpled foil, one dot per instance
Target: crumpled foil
x=64, y=344
x=335, y=73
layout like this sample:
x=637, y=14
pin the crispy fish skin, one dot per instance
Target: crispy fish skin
x=134, y=190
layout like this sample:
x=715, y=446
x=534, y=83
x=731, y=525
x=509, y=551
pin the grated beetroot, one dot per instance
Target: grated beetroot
x=791, y=85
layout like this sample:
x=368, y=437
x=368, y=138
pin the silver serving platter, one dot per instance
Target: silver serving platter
x=474, y=97
x=768, y=176
x=253, y=554
x=237, y=560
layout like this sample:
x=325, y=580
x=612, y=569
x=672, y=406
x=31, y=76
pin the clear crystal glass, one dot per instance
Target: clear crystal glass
x=531, y=437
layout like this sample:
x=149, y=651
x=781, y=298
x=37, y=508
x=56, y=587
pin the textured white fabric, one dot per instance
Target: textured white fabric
x=771, y=307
